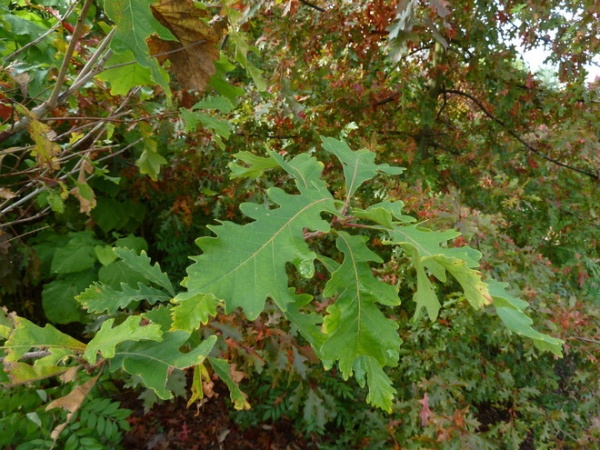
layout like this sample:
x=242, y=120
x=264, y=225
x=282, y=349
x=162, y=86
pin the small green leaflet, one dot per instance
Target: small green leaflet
x=359, y=166
x=216, y=102
x=245, y=264
x=141, y=264
x=384, y=213
x=99, y=297
x=510, y=310
x=150, y=161
x=192, y=310
x=257, y=165
x=154, y=361
x=107, y=338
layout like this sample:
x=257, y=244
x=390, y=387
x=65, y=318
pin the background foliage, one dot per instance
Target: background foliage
x=129, y=127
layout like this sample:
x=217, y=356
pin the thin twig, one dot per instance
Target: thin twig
x=52, y=102
x=313, y=6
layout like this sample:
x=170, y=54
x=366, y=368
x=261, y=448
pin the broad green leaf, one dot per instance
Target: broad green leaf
x=359, y=166
x=126, y=74
x=27, y=336
x=217, y=102
x=256, y=165
x=245, y=264
x=160, y=315
x=105, y=254
x=58, y=296
x=424, y=248
x=153, y=361
x=99, y=298
x=222, y=369
x=220, y=82
x=384, y=213
x=135, y=23
x=141, y=264
x=135, y=243
x=354, y=325
x=510, y=310
x=77, y=255
x=305, y=169
x=192, y=310
x=107, y=337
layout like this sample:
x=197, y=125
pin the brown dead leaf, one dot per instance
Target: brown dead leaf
x=7, y=194
x=193, y=55
x=236, y=375
x=71, y=403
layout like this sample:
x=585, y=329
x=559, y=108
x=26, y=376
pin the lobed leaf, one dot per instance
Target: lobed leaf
x=354, y=327
x=134, y=24
x=510, y=311
x=426, y=252
x=141, y=264
x=257, y=165
x=359, y=166
x=192, y=310
x=107, y=338
x=245, y=264
x=223, y=370
x=154, y=361
x=100, y=298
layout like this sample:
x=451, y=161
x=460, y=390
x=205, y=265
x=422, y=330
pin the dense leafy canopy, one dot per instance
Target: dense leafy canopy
x=353, y=154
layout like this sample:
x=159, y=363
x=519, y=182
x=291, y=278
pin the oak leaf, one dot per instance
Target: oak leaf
x=193, y=55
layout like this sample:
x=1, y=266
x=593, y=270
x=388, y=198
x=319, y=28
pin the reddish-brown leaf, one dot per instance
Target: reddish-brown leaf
x=193, y=55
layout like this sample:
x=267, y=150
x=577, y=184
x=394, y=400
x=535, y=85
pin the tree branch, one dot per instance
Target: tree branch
x=596, y=177
x=313, y=6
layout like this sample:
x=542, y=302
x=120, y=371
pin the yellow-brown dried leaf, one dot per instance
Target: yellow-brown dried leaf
x=193, y=55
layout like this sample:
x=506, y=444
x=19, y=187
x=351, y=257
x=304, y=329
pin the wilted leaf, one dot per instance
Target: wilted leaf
x=71, y=402
x=84, y=193
x=26, y=336
x=44, y=150
x=224, y=371
x=7, y=194
x=193, y=55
